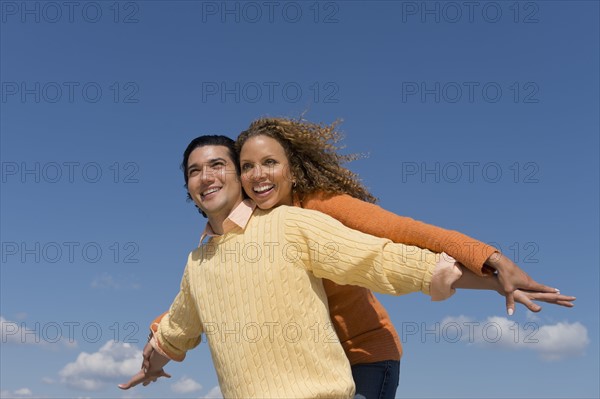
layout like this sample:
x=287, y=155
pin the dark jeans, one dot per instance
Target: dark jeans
x=377, y=380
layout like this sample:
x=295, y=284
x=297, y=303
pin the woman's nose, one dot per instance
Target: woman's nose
x=257, y=173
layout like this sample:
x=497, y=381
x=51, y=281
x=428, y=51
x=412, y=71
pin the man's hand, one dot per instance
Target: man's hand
x=146, y=353
x=145, y=378
x=512, y=278
x=151, y=370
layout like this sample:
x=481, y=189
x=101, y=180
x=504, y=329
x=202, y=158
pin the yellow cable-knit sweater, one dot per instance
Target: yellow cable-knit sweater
x=257, y=296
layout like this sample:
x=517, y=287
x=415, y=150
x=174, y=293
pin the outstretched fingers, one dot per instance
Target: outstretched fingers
x=554, y=298
x=143, y=377
x=526, y=298
x=533, y=285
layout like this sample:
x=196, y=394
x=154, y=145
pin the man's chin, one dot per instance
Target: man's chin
x=206, y=208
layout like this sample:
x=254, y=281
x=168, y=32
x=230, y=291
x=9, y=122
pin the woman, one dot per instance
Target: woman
x=371, y=342
x=294, y=162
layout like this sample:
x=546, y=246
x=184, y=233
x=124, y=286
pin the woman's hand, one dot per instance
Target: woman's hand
x=526, y=298
x=512, y=278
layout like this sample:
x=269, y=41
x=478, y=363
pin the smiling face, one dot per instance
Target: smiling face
x=212, y=182
x=266, y=176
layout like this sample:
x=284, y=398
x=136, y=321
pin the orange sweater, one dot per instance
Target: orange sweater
x=362, y=324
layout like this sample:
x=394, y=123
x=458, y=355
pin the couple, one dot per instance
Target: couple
x=262, y=288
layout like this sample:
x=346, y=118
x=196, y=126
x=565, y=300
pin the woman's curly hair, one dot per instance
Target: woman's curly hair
x=313, y=156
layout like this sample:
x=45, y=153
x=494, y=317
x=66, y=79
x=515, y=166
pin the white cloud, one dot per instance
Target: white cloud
x=19, y=393
x=214, y=393
x=105, y=281
x=185, y=385
x=551, y=342
x=44, y=334
x=48, y=380
x=131, y=395
x=115, y=362
x=108, y=282
x=17, y=333
x=531, y=316
x=21, y=316
x=562, y=340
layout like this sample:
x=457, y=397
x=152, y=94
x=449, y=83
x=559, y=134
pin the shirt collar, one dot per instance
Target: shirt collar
x=238, y=217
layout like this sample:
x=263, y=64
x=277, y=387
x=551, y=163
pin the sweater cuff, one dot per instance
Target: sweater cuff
x=156, y=346
x=446, y=273
x=154, y=343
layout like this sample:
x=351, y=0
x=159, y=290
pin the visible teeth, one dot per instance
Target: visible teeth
x=210, y=191
x=262, y=189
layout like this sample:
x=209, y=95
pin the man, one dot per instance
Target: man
x=254, y=288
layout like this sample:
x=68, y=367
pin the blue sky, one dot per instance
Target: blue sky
x=477, y=116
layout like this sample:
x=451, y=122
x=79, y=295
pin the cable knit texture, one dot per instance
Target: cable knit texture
x=361, y=322
x=373, y=219
x=265, y=318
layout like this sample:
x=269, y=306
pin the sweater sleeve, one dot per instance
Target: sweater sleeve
x=374, y=220
x=180, y=329
x=333, y=251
